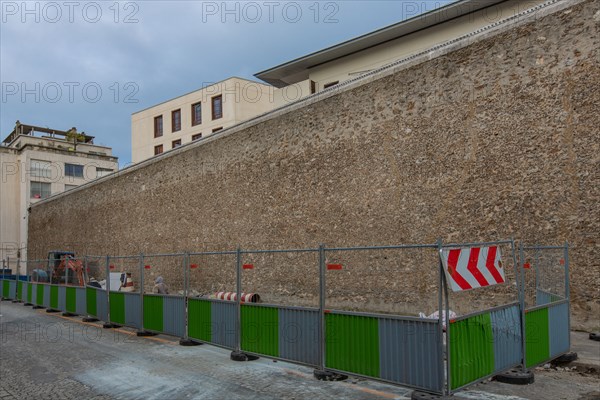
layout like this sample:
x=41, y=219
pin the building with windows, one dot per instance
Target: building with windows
x=195, y=115
x=37, y=163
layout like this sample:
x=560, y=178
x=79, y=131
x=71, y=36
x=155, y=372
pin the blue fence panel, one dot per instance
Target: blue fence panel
x=558, y=329
x=299, y=335
x=224, y=319
x=174, y=315
x=506, y=329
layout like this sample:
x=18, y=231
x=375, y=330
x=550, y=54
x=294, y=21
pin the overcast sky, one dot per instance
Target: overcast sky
x=92, y=64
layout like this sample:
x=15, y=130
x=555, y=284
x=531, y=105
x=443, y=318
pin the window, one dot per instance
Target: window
x=176, y=120
x=196, y=136
x=313, y=87
x=158, y=149
x=217, y=129
x=196, y=114
x=176, y=143
x=40, y=169
x=74, y=170
x=330, y=84
x=103, y=172
x=158, y=126
x=40, y=190
x=217, y=107
x=69, y=187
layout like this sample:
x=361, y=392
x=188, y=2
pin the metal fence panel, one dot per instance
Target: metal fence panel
x=101, y=305
x=132, y=310
x=200, y=319
x=506, y=328
x=537, y=337
x=12, y=289
x=260, y=326
x=62, y=298
x=91, y=301
x=33, y=293
x=25, y=292
x=80, y=298
x=153, y=313
x=117, y=307
x=47, y=290
x=20, y=286
x=29, y=292
x=558, y=329
x=54, y=297
x=71, y=300
x=409, y=353
x=299, y=335
x=223, y=323
x=174, y=315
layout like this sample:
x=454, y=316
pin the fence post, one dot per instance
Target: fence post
x=568, y=289
x=107, y=323
x=141, y=266
x=521, y=290
x=440, y=316
x=322, y=294
x=448, y=388
x=238, y=304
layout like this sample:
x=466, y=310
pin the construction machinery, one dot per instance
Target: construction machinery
x=64, y=269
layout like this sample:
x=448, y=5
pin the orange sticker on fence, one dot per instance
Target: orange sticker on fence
x=562, y=261
x=248, y=266
x=527, y=265
x=147, y=266
x=334, y=266
x=112, y=267
x=194, y=266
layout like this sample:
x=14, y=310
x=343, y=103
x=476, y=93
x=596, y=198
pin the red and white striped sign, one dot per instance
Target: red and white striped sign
x=474, y=267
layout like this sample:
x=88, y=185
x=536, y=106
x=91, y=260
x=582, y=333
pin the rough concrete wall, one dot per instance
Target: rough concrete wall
x=495, y=140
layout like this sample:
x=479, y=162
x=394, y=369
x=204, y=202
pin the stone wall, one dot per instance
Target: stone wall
x=493, y=140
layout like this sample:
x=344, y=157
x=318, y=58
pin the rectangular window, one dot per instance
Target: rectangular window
x=69, y=187
x=74, y=170
x=176, y=120
x=176, y=143
x=330, y=84
x=313, y=87
x=158, y=126
x=158, y=149
x=103, y=172
x=217, y=107
x=217, y=129
x=40, y=190
x=40, y=169
x=196, y=137
x=196, y=114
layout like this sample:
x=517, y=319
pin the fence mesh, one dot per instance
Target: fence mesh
x=95, y=269
x=402, y=281
x=125, y=274
x=211, y=273
x=543, y=275
x=168, y=267
x=288, y=278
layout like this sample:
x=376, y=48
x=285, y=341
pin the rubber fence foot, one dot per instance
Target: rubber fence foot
x=68, y=314
x=595, y=336
x=108, y=325
x=188, y=342
x=90, y=319
x=12, y=301
x=52, y=310
x=416, y=395
x=38, y=307
x=565, y=358
x=239, y=356
x=516, y=377
x=145, y=333
x=27, y=304
x=328, y=375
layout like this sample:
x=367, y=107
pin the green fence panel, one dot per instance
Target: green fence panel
x=39, y=299
x=153, y=313
x=90, y=301
x=29, y=292
x=471, y=350
x=117, y=308
x=537, y=343
x=200, y=320
x=5, y=289
x=352, y=344
x=54, y=297
x=71, y=301
x=260, y=330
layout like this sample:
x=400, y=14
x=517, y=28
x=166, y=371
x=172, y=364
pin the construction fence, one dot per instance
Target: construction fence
x=497, y=307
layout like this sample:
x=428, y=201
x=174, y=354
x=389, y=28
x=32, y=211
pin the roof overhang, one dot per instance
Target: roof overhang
x=297, y=70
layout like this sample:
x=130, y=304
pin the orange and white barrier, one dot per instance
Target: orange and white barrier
x=232, y=296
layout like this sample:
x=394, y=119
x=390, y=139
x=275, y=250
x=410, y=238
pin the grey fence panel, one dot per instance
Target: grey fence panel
x=2, y=288
x=24, y=295
x=47, y=289
x=101, y=305
x=132, y=310
x=542, y=297
x=174, y=315
x=34, y=293
x=224, y=319
x=80, y=301
x=558, y=328
x=62, y=298
x=299, y=335
x=506, y=329
x=12, y=289
x=409, y=353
